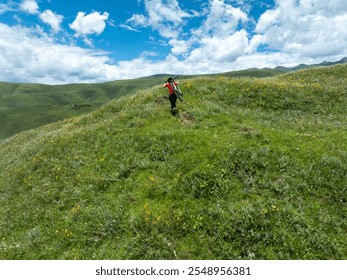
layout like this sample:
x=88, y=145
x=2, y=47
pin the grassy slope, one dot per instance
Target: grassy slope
x=25, y=106
x=254, y=72
x=250, y=169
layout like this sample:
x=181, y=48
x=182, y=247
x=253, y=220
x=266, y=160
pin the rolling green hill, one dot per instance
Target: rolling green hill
x=26, y=106
x=251, y=168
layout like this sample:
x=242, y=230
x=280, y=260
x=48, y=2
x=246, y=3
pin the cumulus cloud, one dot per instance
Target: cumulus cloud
x=310, y=28
x=87, y=24
x=165, y=17
x=218, y=38
x=222, y=19
x=226, y=48
x=27, y=55
x=29, y=6
x=306, y=31
x=52, y=19
x=179, y=47
x=47, y=16
x=160, y=12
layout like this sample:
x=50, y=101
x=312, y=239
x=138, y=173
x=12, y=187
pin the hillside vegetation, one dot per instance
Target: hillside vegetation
x=251, y=168
x=26, y=106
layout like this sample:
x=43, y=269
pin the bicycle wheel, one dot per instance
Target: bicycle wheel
x=179, y=94
x=180, y=97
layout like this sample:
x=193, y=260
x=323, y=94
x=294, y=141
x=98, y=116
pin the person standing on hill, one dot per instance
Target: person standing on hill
x=172, y=96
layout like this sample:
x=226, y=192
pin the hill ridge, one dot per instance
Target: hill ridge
x=25, y=106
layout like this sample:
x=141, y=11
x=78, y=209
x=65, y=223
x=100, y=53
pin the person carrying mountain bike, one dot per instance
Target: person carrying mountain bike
x=170, y=83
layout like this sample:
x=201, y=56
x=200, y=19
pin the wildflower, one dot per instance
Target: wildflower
x=152, y=178
x=147, y=212
x=156, y=220
x=76, y=208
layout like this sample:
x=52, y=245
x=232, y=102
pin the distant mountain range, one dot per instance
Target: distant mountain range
x=257, y=72
x=307, y=66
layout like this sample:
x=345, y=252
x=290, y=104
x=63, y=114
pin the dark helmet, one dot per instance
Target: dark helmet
x=170, y=80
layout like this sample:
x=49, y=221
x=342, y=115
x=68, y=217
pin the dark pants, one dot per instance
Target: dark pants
x=173, y=99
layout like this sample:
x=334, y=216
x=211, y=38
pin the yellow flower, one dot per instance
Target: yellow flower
x=152, y=178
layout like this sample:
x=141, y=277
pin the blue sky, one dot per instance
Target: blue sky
x=58, y=42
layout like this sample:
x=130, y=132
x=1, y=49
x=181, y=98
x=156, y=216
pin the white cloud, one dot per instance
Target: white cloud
x=52, y=19
x=222, y=19
x=267, y=19
x=159, y=12
x=306, y=31
x=128, y=27
x=220, y=49
x=29, y=6
x=308, y=28
x=9, y=6
x=146, y=54
x=111, y=22
x=28, y=55
x=254, y=43
x=166, y=17
x=218, y=38
x=179, y=47
x=138, y=20
x=93, y=23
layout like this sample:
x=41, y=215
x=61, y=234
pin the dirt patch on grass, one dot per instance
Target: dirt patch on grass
x=187, y=118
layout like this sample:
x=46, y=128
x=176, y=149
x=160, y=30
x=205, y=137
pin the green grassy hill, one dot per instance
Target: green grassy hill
x=26, y=106
x=250, y=169
x=253, y=72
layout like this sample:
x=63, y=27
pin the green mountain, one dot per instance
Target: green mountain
x=26, y=106
x=251, y=168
